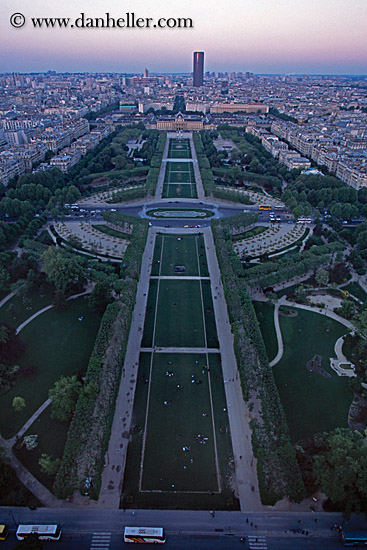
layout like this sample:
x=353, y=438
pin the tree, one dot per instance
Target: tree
x=236, y=173
x=361, y=322
x=30, y=442
x=336, y=210
x=64, y=396
x=49, y=465
x=341, y=470
x=18, y=404
x=4, y=334
x=100, y=296
x=62, y=269
x=322, y=277
x=300, y=294
x=298, y=211
x=347, y=309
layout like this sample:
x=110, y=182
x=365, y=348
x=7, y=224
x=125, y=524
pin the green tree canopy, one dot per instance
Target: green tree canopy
x=62, y=269
x=18, y=404
x=341, y=470
x=64, y=396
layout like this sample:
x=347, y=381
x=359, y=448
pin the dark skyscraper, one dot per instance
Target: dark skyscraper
x=198, y=68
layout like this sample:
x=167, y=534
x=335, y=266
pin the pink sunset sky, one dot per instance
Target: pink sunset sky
x=261, y=36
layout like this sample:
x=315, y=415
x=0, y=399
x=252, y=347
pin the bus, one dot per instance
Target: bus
x=354, y=538
x=144, y=534
x=264, y=207
x=44, y=532
x=303, y=219
x=3, y=532
x=279, y=208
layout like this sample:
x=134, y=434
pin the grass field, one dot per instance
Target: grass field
x=172, y=213
x=51, y=441
x=312, y=403
x=265, y=316
x=180, y=455
x=356, y=290
x=183, y=191
x=179, y=180
x=257, y=230
x=177, y=404
x=179, y=311
x=177, y=320
x=179, y=471
x=57, y=344
x=25, y=305
x=110, y=231
x=183, y=250
x=179, y=149
x=179, y=172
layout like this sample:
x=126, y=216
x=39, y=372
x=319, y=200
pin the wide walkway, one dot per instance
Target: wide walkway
x=238, y=413
x=113, y=473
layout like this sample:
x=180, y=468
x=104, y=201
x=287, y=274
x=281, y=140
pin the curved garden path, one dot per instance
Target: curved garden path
x=7, y=298
x=279, y=355
x=284, y=302
x=27, y=321
x=46, y=308
x=32, y=484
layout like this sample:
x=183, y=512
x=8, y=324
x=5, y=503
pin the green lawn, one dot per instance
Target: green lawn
x=167, y=468
x=179, y=148
x=265, y=316
x=180, y=311
x=179, y=314
x=57, y=344
x=180, y=212
x=176, y=424
x=51, y=441
x=356, y=290
x=312, y=403
x=183, y=250
x=110, y=231
x=25, y=306
x=210, y=325
x=250, y=233
x=176, y=191
x=179, y=172
x=147, y=340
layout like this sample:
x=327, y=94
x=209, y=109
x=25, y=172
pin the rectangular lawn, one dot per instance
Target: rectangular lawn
x=179, y=314
x=179, y=417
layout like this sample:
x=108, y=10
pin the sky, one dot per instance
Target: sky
x=260, y=36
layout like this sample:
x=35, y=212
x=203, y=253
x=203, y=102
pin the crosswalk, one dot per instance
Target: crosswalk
x=100, y=541
x=257, y=543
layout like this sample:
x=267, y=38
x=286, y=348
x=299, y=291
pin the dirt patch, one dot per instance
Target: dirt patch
x=314, y=365
x=288, y=313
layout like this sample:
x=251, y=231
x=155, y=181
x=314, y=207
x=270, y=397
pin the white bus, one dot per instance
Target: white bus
x=144, y=534
x=44, y=532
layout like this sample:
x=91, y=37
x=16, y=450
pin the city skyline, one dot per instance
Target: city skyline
x=267, y=37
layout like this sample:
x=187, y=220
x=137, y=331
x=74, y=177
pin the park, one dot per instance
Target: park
x=182, y=378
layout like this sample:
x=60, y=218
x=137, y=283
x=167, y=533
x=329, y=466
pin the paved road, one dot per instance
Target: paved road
x=185, y=529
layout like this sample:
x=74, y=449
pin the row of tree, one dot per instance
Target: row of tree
x=278, y=471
